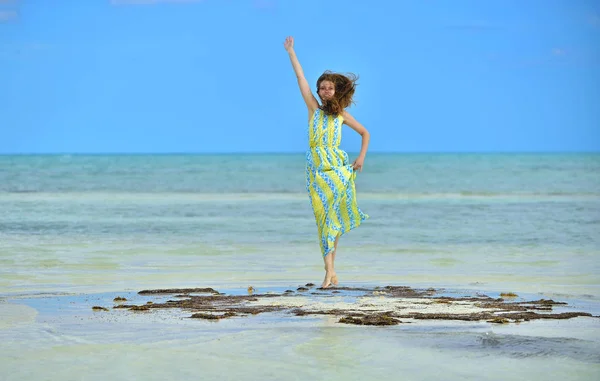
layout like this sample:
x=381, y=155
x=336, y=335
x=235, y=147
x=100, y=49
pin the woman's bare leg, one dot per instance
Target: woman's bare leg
x=329, y=259
x=334, y=278
x=329, y=272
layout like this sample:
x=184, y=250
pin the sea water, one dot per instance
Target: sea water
x=93, y=226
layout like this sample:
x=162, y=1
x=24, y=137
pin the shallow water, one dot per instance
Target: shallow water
x=60, y=337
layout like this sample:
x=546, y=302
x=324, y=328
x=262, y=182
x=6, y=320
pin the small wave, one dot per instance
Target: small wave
x=521, y=346
x=20, y=191
x=481, y=195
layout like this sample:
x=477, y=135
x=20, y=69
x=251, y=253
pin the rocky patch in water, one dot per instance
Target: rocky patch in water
x=380, y=306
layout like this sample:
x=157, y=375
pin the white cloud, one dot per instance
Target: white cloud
x=145, y=2
x=7, y=15
x=558, y=52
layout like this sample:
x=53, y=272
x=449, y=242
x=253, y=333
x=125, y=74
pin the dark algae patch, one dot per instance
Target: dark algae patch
x=201, y=315
x=179, y=291
x=374, y=319
x=364, y=306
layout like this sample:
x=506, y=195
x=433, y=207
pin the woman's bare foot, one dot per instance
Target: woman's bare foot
x=329, y=276
x=329, y=272
x=334, y=279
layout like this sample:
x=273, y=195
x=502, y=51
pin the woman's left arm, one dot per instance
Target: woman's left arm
x=362, y=131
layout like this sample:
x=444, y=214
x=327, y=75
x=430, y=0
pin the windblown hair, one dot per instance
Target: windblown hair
x=345, y=85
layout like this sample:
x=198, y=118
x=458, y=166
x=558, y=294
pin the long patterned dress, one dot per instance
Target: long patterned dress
x=330, y=180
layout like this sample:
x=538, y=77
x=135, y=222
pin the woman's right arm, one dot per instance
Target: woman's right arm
x=309, y=98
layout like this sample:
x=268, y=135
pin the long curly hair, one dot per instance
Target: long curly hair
x=345, y=85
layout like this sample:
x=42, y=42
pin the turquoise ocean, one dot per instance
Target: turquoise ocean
x=100, y=225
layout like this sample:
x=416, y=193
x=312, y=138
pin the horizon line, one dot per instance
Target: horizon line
x=175, y=153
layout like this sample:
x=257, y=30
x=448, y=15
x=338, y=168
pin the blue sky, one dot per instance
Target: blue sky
x=143, y=76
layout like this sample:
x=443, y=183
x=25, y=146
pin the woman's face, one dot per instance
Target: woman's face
x=326, y=90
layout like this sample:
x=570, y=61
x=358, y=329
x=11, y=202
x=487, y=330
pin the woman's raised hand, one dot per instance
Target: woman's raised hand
x=289, y=43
